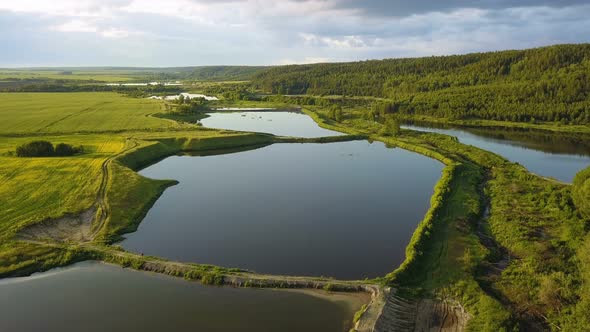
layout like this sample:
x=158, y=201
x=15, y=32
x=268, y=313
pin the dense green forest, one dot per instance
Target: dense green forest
x=543, y=84
x=224, y=73
x=205, y=73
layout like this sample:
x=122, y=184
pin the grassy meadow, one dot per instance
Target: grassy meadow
x=33, y=189
x=40, y=113
x=76, y=75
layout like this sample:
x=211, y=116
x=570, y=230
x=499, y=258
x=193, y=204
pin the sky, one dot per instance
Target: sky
x=168, y=33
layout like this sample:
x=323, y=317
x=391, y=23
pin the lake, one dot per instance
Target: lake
x=97, y=297
x=552, y=155
x=277, y=123
x=345, y=210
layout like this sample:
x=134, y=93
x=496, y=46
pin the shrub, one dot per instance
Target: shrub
x=35, y=149
x=63, y=149
x=328, y=287
x=46, y=149
x=212, y=278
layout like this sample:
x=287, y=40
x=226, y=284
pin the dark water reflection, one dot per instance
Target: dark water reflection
x=555, y=155
x=345, y=210
x=97, y=297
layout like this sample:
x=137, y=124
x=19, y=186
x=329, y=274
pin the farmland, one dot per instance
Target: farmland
x=42, y=113
x=97, y=76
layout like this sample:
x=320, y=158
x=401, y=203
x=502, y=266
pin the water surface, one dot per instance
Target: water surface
x=547, y=154
x=345, y=210
x=277, y=123
x=97, y=297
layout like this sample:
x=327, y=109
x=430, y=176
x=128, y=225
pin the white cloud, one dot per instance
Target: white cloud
x=191, y=32
x=72, y=8
x=342, y=42
x=75, y=26
x=82, y=26
x=114, y=33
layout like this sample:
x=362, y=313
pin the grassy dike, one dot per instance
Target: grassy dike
x=434, y=264
x=491, y=124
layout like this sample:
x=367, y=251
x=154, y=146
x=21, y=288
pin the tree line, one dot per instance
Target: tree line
x=550, y=84
x=191, y=105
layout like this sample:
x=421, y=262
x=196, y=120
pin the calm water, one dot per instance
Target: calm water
x=97, y=297
x=550, y=155
x=345, y=210
x=277, y=123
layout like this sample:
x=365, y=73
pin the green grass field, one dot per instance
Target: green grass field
x=77, y=75
x=33, y=189
x=35, y=113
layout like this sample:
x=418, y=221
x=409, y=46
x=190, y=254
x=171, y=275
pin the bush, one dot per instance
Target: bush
x=328, y=287
x=35, y=149
x=46, y=149
x=212, y=278
x=63, y=149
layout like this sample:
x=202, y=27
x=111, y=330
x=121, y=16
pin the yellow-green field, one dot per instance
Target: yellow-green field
x=34, y=113
x=33, y=189
x=36, y=189
x=102, y=76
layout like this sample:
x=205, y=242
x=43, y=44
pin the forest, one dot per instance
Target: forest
x=549, y=84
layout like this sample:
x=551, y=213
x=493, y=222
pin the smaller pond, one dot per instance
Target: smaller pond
x=552, y=155
x=276, y=123
x=97, y=297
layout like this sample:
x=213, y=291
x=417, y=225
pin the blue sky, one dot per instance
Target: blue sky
x=266, y=32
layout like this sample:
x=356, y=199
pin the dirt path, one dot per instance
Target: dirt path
x=82, y=227
x=103, y=208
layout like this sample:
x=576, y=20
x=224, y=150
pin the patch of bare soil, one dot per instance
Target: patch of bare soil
x=69, y=228
x=371, y=315
x=435, y=315
x=423, y=315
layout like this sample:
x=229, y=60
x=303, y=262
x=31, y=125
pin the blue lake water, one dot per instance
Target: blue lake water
x=277, y=123
x=550, y=155
x=346, y=210
x=97, y=297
